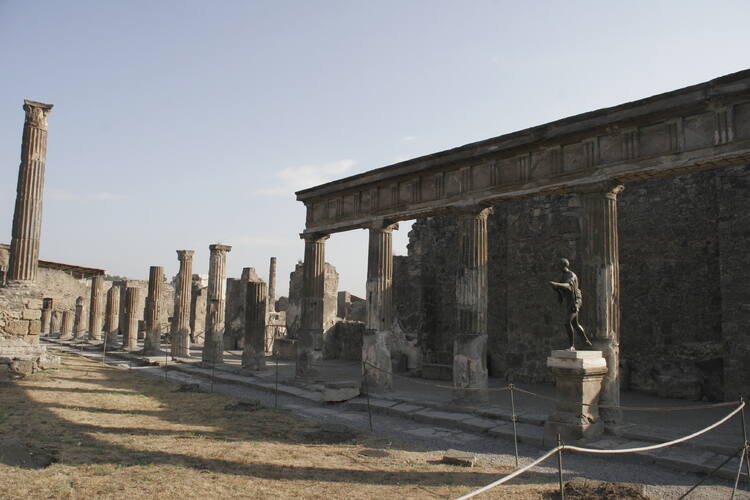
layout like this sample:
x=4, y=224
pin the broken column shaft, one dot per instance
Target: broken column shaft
x=600, y=280
x=112, y=315
x=253, y=353
x=152, y=341
x=130, y=334
x=181, y=319
x=375, y=353
x=95, y=308
x=213, y=346
x=27, y=217
x=79, y=330
x=272, y=285
x=66, y=329
x=310, y=344
x=470, y=346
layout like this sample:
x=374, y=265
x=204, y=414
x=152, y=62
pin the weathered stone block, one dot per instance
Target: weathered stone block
x=31, y=314
x=33, y=303
x=35, y=327
x=17, y=327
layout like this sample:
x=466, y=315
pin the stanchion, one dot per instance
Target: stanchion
x=739, y=473
x=744, y=442
x=104, y=350
x=367, y=393
x=276, y=389
x=166, y=362
x=559, y=467
x=513, y=419
x=213, y=368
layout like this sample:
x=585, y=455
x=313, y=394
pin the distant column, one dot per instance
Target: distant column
x=213, y=346
x=66, y=329
x=253, y=353
x=375, y=352
x=310, y=344
x=95, y=308
x=46, y=321
x=183, y=299
x=79, y=330
x=27, y=217
x=272, y=285
x=56, y=323
x=152, y=342
x=112, y=315
x=130, y=335
x=470, y=346
x=600, y=282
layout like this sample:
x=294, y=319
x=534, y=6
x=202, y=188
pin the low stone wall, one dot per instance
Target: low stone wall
x=19, y=359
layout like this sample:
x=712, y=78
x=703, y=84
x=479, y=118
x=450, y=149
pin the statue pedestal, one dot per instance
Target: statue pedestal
x=578, y=378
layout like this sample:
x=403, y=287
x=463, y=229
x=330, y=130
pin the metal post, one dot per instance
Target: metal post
x=559, y=467
x=513, y=419
x=745, y=443
x=104, y=350
x=166, y=362
x=276, y=391
x=367, y=393
x=739, y=473
x=213, y=367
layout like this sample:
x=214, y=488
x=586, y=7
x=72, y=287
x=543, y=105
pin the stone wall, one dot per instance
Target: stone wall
x=294, y=305
x=684, y=272
x=236, y=293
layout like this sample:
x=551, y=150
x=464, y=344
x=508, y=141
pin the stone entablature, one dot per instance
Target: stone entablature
x=699, y=127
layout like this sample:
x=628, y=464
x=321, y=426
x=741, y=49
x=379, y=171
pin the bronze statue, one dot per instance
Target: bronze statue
x=569, y=293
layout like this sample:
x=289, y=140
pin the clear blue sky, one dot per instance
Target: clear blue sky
x=182, y=123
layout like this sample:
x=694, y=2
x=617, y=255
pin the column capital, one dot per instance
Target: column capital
x=314, y=237
x=608, y=189
x=474, y=211
x=185, y=254
x=36, y=113
x=382, y=226
x=217, y=247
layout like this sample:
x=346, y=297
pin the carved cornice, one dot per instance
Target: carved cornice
x=36, y=113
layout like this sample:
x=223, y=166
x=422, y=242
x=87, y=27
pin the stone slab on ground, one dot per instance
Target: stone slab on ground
x=477, y=424
x=462, y=458
x=403, y=409
x=436, y=417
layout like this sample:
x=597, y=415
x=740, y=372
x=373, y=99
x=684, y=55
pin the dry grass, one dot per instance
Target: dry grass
x=118, y=435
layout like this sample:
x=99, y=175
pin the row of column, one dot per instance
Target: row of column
x=600, y=278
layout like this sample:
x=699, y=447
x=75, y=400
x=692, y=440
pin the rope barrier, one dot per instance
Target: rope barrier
x=595, y=451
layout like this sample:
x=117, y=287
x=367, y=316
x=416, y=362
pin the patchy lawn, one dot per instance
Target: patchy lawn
x=94, y=431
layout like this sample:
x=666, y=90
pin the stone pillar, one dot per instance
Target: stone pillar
x=253, y=353
x=66, y=329
x=130, y=334
x=152, y=341
x=95, y=308
x=470, y=345
x=310, y=343
x=56, y=322
x=272, y=286
x=79, y=330
x=112, y=315
x=27, y=217
x=181, y=319
x=213, y=346
x=375, y=353
x=600, y=284
x=46, y=321
x=578, y=380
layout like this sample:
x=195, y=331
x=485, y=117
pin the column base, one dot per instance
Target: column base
x=578, y=380
x=470, y=369
x=213, y=351
x=376, y=358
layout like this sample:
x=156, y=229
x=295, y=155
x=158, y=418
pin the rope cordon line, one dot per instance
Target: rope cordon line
x=592, y=450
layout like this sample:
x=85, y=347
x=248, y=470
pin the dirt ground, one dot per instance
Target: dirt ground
x=95, y=431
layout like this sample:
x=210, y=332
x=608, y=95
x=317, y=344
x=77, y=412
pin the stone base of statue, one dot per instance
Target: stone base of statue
x=578, y=378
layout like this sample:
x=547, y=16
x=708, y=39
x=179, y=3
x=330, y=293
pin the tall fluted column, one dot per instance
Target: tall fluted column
x=27, y=217
x=79, y=329
x=213, y=346
x=66, y=329
x=152, y=342
x=112, y=315
x=181, y=319
x=375, y=353
x=272, y=285
x=254, y=353
x=600, y=283
x=310, y=344
x=95, y=308
x=130, y=335
x=470, y=346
